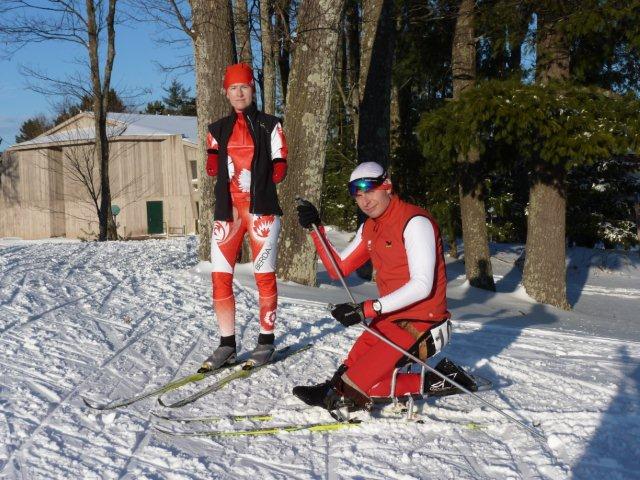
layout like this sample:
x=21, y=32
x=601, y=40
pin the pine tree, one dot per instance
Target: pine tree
x=71, y=109
x=178, y=101
x=554, y=127
x=33, y=127
x=155, y=108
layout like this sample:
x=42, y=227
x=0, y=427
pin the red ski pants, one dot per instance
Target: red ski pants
x=371, y=361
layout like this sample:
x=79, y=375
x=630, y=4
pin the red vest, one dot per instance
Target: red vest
x=384, y=241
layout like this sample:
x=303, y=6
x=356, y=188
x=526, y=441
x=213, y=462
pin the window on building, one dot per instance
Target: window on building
x=194, y=170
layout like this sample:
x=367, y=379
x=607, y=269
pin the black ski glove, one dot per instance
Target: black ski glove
x=307, y=214
x=348, y=313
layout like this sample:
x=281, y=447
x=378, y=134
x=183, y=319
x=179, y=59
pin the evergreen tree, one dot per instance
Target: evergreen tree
x=555, y=128
x=178, y=101
x=155, y=108
x=33, y=127
x=68, y=110
x=600, y=203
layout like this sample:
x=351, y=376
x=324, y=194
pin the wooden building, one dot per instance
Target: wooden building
x=153, y=178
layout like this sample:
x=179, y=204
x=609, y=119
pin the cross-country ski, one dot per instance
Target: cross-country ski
x=167, y=387
x=244, y=371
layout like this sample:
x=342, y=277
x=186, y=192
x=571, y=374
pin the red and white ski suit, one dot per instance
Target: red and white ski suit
x=263, y=230
x=406, y=251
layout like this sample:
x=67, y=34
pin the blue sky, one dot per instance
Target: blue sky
x=134, y=69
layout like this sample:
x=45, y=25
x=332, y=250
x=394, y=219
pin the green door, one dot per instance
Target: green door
x=154, y=217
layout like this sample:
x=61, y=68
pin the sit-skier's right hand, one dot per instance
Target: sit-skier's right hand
x=307, y=214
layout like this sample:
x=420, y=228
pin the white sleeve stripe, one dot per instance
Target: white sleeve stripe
x=357, y=240
x=212, y=143
x=420, y=245
x=276, y=143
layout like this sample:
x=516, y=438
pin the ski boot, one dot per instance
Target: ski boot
x=333, y=394
x=315, y=395
x=222, y=355
x=262, y=354
x=436, y=386
x=264, y=351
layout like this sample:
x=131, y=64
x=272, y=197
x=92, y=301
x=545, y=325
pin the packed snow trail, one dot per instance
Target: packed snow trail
x=114, y=319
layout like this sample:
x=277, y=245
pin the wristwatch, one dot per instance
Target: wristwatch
x=377, y=306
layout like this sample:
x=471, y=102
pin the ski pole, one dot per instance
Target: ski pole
x=407, y=354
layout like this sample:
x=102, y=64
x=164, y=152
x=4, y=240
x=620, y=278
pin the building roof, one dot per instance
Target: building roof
x=119, y=125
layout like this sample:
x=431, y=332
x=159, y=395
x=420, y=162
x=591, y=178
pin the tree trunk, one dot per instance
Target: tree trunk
x=553, y=53
x=213, y=51
x=242, y=32
x=477, y=259
x=395, y=123
x=352, y=50
x=283, y=42
x=232, y=34
x=306, y=120
x=376, y=62
x=545, y=269
x=268, y=58
x=450, y=228
x=100, y=90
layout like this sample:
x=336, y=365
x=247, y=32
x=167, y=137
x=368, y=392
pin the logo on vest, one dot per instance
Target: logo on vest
x=387, y=244
x=369, y=245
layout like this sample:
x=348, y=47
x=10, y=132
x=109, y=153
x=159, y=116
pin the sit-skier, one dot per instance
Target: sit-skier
x=404, y=245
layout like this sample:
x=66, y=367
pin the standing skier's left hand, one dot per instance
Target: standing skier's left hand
x=348, y=313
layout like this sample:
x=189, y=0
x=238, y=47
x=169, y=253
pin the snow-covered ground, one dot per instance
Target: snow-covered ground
x=109, y=320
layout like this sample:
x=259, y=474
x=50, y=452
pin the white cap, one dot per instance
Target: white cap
x=367, y=170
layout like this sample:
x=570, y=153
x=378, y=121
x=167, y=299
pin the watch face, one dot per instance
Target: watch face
x=377, y=306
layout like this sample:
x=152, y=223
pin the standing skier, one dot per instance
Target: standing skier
x=403, y=242
x=247, y=151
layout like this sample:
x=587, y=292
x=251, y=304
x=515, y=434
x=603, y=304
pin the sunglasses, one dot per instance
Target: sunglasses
x=366, y=184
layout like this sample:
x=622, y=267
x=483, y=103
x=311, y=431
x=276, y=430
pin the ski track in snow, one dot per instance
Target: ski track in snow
x=110, y=320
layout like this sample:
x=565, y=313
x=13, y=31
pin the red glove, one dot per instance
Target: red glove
x=212, y=164
x=279, y=171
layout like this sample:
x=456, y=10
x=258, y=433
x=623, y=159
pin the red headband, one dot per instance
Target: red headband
x=238, y=73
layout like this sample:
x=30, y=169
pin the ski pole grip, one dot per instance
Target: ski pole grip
x=300, y=201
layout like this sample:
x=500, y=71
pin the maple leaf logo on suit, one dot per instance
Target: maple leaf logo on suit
x=269, y=319
x=262, y=227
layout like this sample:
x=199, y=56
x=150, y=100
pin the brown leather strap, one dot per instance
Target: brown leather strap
x=350, y=391
x=421, y=338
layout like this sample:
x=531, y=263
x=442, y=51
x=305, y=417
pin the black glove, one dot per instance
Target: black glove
x=348, y=313
x=308, y=214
